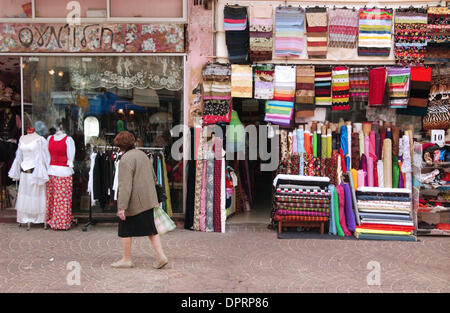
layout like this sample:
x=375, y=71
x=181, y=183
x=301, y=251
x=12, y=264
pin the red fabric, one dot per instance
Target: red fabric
x=443, y=226
x=343, y=163
x=421, y=74
x=386, y=227
x=316, y=29
x=58, y=152
x=59, y=202
x=375, y=173
x=231, y=21
x=377, y=84
x=217, y=195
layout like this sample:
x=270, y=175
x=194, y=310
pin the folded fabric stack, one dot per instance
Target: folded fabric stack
x=289, y=31
x=261, y=28
x=420, y=88
x=322, y=85
x=304, y=91
x=410, y=35
x=385, y=214
x=264, y=86
x=359, y=85
x=340, y=87
x=241, y=81
x=317, y=32
x=236, y=33
x=216, y=93
x=375, y=32
x=438, y=33
x=302, y=199
x=398, y=82
x=279, y=112
x=343, y=28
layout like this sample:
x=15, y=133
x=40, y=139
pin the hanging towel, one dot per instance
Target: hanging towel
x=317, y=32
x=289, y=31
x=264, y=85
x=261, y=29
x=322, y=85
x=359, y=85
x=236, y=33
x=340, y=88
x=241, y=81
x=398, y=83
x=343, y=28
x=375, y=32
x=377, y=86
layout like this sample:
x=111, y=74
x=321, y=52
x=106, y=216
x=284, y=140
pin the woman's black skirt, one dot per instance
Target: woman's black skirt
x=142, y=224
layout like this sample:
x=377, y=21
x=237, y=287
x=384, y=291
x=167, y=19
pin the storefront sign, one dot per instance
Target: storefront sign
x=93, y=38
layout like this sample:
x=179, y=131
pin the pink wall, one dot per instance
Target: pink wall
x=147, y=8
x=52, y=8
x=200, y=46
x=10, y=8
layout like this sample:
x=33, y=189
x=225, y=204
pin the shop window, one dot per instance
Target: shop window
x=57, y=9
x=147, y=8
x=15, y=9
x=143, y=95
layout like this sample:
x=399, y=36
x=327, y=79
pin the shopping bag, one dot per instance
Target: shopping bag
x=163, y=222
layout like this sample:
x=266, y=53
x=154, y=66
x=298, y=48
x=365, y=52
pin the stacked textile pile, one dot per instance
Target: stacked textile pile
x=375, y=32
x=289, y=31
x=241, y=81
x=359, y=85
x=438, y=34
x=343, y=28
x=304, y=91
x=216, y=93
x=398, y=83
x=301, y=199
x=420, y=88
x=264, y=81
x=322, y=85
x=340, y=87
x=410, y=35
x=317, y=32
x=385, y=214
x=279, y=112
x=236, y=33
x=261, y=28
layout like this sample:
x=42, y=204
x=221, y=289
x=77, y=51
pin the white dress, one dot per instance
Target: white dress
x=31, y=196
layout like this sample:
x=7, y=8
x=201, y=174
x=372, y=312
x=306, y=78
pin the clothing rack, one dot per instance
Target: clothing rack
x=91, y=220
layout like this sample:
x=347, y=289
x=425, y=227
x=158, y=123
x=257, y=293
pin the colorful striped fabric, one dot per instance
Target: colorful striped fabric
x=279, y=112
x=399, y=82
x=322, y=86
x=317, y=32
x=340, y=88
x=284, y=83
x=241, y=81
x=264, y=85
x=216, y=93
x=410, y=36
x=292, y=218
x=343, y=28
x=261, y=33
x=375, y=27
x=359, y=85
x=236, y=33
x=302, y=213
x=304, y=89
x=289, y=31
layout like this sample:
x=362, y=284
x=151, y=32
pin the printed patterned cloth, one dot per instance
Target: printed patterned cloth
x=309, y=192
x=59, y=202
x=343, y=28
x=301, y=213
x=375, y=32
x=322, y=86
x=264, y=86
x=241, y=81
x=359, y=85
x=398, y=82
x=304, y=93
x=261, y=29
x=236, y=33
x=302, y=206
x=289, y=31
x=291, y=218
x=410, y=35
x=438, y=34
x=317, y=32
x=304, y=200
x=340, y=87
x=216, y=93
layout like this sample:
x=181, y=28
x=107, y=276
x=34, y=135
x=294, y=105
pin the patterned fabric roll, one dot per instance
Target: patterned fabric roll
x=241, y=81
x=340, y=88
x=359, y=85
x=375, y=32
x=398, y=82
x=264, y=85
x=322, y=86
x=236, y=33
x=261, y=29
x=289, y=31
x=410, y=35
x=343, y=28
x=291, y=218
x=317, y=32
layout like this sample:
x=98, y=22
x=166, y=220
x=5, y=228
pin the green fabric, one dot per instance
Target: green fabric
x=336, y=212
x=314, y=143
x=120, y=126
x=235, y=131
x=395, y=172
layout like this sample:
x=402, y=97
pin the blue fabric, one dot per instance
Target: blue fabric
x=344, y=145
x=332, y=229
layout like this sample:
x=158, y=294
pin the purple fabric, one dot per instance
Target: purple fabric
x=378, y=146
x=340, y=191
x=363, y=166
x=349, y=214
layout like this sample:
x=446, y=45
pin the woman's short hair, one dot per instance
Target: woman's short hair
x=124, y=140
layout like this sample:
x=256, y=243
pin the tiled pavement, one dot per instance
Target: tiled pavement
x=247, y=258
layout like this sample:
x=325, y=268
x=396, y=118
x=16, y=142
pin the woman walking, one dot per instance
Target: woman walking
x=135, y=201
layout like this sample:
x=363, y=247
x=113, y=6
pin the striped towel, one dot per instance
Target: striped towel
x=261, y=29
x=264, y=81
x=304, y=90
x=343, y=28
x=322, y=86
x=340, y=88
x=284, y=83
x=236, y=33
x=375, y=27
x=241, y=81
x=289, y=31
x=398, y=82
x=279, y=112
x=359, y=85
x=317, y=32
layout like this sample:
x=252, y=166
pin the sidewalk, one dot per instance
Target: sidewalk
x=248, y=258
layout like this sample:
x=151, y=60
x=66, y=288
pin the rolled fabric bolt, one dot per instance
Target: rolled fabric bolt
x=349, y=146
x=294, y=143
x=329, y=145
x=324, y=151
x=378, y=145
x=319, y=144
x=367, y=146
x=361, y=178
x=290, y=142
x=314, y=145
x=300, y=141
x=358, y=127
x=361, y=144
x=369, y=171
x=387, y=162
x=355, y=178
x=301, y=164
x=395, y=140
x=380, y=169
x=367, y=127
x=395, y=172
x=307, y=142
x=372, y=147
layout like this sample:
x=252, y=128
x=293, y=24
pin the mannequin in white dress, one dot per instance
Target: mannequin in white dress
x=30, y=168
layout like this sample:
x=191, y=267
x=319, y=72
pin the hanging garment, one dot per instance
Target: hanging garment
x=410, y=36
x=217, y=220
x=210, y=192
x=359, y=85
x=261, y=28
x=59, y=202
x=317, y=32
x=241, y=81
x=375, y=32
x=322, y=86
x=264, y=85
x=340, y=88
x=202, y=212
x=343, y=28
x=398, y=83
x=377, y=85
x=168, y=201
x=236, y=33
x=289, y=31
